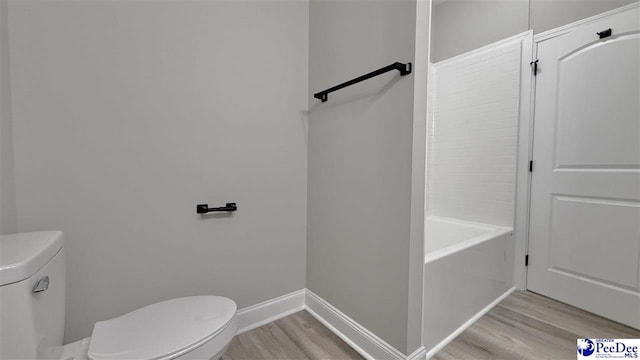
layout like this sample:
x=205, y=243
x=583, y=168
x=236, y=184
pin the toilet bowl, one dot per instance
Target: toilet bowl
x=196, y=327
x=32, y=287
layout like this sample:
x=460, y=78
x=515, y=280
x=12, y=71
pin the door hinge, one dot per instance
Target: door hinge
x=530, y=165
x=534, y=66
x=526, y=260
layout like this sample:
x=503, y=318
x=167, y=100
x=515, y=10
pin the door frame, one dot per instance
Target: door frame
x=526, y=140
x=525, y=151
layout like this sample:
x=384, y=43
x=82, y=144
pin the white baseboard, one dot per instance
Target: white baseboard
x=265, y=312
x=467, y=324
x=419, y=354
x=357, y=336
x=365, y=342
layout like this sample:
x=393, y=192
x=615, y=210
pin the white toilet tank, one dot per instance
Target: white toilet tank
x=32, y=295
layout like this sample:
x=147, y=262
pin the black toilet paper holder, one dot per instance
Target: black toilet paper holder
x=204, y=208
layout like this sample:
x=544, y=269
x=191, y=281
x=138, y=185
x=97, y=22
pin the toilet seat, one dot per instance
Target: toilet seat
x=164, y=330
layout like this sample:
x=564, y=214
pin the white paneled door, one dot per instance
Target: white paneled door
x=584, y=240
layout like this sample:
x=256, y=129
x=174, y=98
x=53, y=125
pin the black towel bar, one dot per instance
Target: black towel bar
x=404, y=69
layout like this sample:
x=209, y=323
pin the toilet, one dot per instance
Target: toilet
x=32, y=310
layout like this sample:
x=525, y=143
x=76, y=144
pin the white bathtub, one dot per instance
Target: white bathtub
x=468, y=269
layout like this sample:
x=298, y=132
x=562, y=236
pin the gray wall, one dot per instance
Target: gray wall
x=7, y=190
x=128, y=114
x=459, y=26
x=549, y=14
x=360, y=163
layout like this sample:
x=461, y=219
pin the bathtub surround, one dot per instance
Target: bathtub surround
x=145, y=109
x=479, y=102
x=7, y=189
x=362, y=223
x=457, y=295
x=474, y=135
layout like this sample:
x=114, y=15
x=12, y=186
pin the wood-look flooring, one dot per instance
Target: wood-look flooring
x=296, y=337
x=523, y=326
x=530, y=326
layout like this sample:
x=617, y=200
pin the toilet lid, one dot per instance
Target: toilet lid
x=163, y=330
